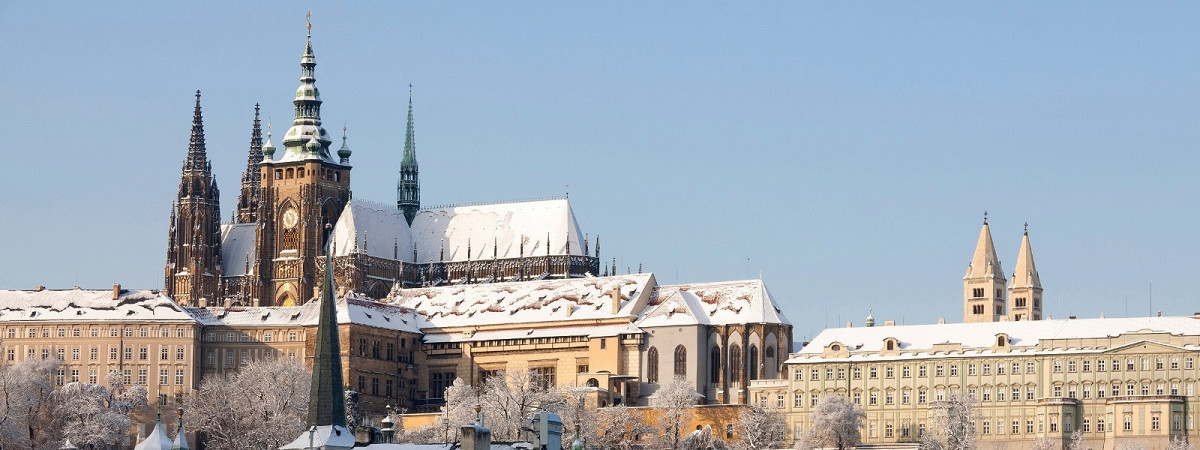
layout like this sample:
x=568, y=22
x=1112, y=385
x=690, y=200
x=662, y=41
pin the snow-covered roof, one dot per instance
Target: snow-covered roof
x=721, y=303
x=351, y=310
x=526, y=301
x=325, y=436
x=237, y=247
x=156, y=440
x=375, y=229
x=79, y=305
x=533, y=333
x=502, y=226
x=977, y=336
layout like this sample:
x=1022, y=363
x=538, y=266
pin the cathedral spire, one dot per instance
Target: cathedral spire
x=985, y=263
x=197, y=157
x=408, y=189
x=307, y=121
x=1025, y=273
x=1025, y=289
x=248, y=198
x=984, y=283
x=193, y=266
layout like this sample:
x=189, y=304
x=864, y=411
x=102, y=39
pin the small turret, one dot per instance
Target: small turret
x=344, y=152
x=268, y=149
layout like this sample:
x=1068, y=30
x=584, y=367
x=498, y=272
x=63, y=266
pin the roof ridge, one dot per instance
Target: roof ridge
x=490, y=203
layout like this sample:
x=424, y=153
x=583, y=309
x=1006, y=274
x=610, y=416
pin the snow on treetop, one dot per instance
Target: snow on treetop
x=524, y=302
x=79, y=305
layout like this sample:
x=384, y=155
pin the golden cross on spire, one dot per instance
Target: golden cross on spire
x=308, y=18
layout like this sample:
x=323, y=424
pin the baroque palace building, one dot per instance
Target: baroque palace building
x=1116, y=380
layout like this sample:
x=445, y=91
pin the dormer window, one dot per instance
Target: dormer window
x=1001, y=340
x=890, y=344
x=835, y=347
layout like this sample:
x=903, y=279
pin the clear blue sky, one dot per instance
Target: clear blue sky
x=845, y=151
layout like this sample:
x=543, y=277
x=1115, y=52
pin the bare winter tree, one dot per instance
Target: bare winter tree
x=1077, y=442
x=759, y=429
x=953, y=426
x=836, y=422
x=574, y=409
x=460, y=403
x=263, y=405
x=27, y=394
x=510, y=399
x=619, y=428
x=1044, y=443
x=96, y=415
x=675, y=399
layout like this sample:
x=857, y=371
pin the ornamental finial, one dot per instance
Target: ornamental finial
x=308, y=18
x=1026, y=228
x=985, y=217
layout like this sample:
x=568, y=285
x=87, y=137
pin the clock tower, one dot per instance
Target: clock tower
x=303, y=191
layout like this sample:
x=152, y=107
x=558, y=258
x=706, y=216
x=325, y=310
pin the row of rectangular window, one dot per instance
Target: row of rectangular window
x=231, y=336
x=1130, y=364
x=32, y=332
x=906, y=371
x=127, y=375
x=94, y=353
x=1030, y=368
x=1015, y=394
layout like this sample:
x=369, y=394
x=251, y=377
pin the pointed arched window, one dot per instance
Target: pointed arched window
x=753, y=362
x=680, y=361
x=652, y=365
x=735, y=363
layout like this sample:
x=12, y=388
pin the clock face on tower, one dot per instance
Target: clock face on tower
x=290, y=217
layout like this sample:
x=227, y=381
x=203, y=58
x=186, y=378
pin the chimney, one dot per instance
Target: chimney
x=116, y=291
x=203, y=302
x=849, y=324
x=570, y=310
x=889, y=323
x=40, y=288
x=941, y=320
x=616, y=299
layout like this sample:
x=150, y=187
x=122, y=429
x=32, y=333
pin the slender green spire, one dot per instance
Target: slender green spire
x=408, y=189
x=327, y=398
x=410, y=143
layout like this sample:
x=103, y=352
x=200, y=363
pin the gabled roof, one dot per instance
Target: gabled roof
x=721, y=303
x=78, y=305
x=237, y=247
x=375, y=229
x=982, y=336
x=498, y=226
x=672, y=308
x=524, y=302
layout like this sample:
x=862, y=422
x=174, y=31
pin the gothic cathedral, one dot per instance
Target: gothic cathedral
x=295, y=206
